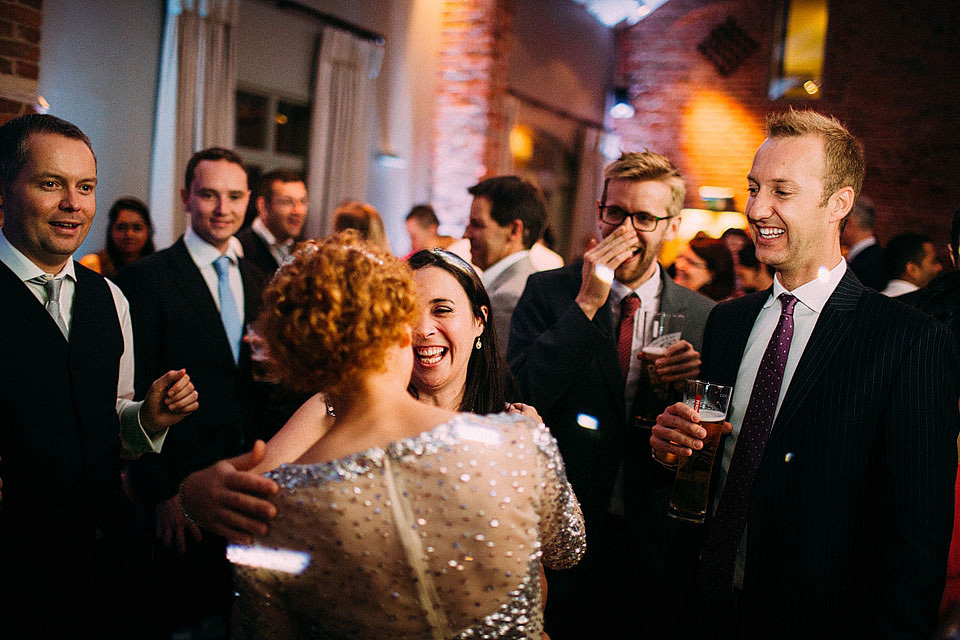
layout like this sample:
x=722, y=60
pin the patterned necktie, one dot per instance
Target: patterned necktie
x=51, y=287
x=719, y=556
x=229, y=314
x=628, y=309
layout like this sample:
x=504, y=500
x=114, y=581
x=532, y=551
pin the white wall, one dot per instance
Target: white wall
x=98, y=69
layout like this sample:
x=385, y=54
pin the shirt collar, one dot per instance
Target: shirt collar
x=860, y=246
x=23, y=267
x=204, y=253
x=646, y=291
x=261, y=229
x=813, y=294
x=494, y=271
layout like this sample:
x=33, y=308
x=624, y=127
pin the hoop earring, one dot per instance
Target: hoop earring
x=478, y=342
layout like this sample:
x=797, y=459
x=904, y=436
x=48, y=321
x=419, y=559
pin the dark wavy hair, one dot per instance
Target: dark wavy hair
x=128, y=204
x=487, y=374
x=723, y=279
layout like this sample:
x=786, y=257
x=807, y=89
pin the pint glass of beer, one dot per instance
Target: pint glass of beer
x=660, y=331
x=691, y=489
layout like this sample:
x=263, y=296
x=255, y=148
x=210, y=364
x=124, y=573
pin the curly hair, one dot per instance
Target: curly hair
x=332, y=311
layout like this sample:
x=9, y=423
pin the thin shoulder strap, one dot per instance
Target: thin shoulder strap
x=429, y=599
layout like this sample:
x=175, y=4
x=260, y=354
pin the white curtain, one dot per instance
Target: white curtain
x=583, y=226
x=340, y=138
x=195, y=104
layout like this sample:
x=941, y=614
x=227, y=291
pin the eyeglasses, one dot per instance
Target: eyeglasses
x=614, y=215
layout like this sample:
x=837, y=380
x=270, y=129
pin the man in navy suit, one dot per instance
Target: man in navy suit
x=190, y=304
x=865, y=255
x=834, y=520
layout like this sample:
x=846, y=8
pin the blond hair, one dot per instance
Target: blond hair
x=363, y=217
x=843, y=162
x=332, y=311
x=646, y=165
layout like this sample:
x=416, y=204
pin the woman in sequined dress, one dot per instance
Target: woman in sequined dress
x=457, y=366
x=408, y=520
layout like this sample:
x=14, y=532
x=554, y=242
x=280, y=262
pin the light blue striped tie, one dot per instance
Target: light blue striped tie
x=229, y=314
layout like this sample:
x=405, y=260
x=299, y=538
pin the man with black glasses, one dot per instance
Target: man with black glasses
x=570, y=362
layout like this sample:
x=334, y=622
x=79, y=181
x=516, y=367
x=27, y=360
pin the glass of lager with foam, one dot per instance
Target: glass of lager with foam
x=660, y=332
x=691, y=489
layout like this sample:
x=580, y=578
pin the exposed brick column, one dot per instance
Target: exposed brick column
x=20, y=22
x=470, y=101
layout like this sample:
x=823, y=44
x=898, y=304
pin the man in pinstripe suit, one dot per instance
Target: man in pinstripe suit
x=845, y=520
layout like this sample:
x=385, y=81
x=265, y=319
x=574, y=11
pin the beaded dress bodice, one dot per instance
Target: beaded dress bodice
x=437, y=536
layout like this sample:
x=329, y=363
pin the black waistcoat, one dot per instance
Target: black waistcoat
x=59, y=432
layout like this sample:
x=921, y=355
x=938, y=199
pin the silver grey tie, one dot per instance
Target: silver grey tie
x=52, y=305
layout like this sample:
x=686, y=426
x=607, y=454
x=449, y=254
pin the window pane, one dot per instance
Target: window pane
x=292, y=128
x=251, y=120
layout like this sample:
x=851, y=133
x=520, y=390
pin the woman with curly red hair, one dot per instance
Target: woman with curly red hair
x=404, y=519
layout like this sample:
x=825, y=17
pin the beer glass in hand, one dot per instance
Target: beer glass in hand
x=691, y=489
x=660, y=332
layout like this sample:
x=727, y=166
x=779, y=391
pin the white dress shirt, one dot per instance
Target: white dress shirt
x=649, y=294
x=279, y=250
x=134, y=438
x=811, y=298
x=204, y=255
x=860, y=246
x=897, y=287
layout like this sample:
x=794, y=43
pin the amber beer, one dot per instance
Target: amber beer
x=660, y=331
x=691, y=489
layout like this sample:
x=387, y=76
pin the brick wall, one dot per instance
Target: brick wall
x=891, y=75
x=470, y=111
x=20, y=22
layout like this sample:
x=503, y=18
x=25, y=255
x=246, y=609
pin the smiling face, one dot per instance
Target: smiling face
x=49, y=208
x=217, y=201
x=649, y=196
x=129, y=233
x=284, y=209
x=489, y=242
x=444, y=337
x=792, y=229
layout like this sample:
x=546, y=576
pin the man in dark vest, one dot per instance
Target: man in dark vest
x=68, y=362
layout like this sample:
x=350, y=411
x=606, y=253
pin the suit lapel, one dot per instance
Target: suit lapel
x=505, y=277
x=194, y=289
x=831, y=328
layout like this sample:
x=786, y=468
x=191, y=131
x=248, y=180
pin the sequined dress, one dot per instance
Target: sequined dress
x=438, y=536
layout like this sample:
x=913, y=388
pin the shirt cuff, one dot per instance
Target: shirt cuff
x=134, y=437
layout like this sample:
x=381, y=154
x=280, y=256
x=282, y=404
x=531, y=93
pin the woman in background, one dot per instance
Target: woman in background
x=706, y=266
x=129, y=238
x=407, y=519
x=364, y=219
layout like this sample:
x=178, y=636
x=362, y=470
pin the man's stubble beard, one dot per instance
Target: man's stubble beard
x=632, y=276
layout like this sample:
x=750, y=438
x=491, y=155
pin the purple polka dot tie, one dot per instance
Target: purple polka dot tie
x=719, y=554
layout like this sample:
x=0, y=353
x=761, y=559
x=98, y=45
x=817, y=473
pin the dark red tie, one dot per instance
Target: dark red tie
x=719, y=556
x=628, y=309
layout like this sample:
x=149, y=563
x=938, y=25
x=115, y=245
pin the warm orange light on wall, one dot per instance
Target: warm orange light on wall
x=718, y=138
x=521, y=143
